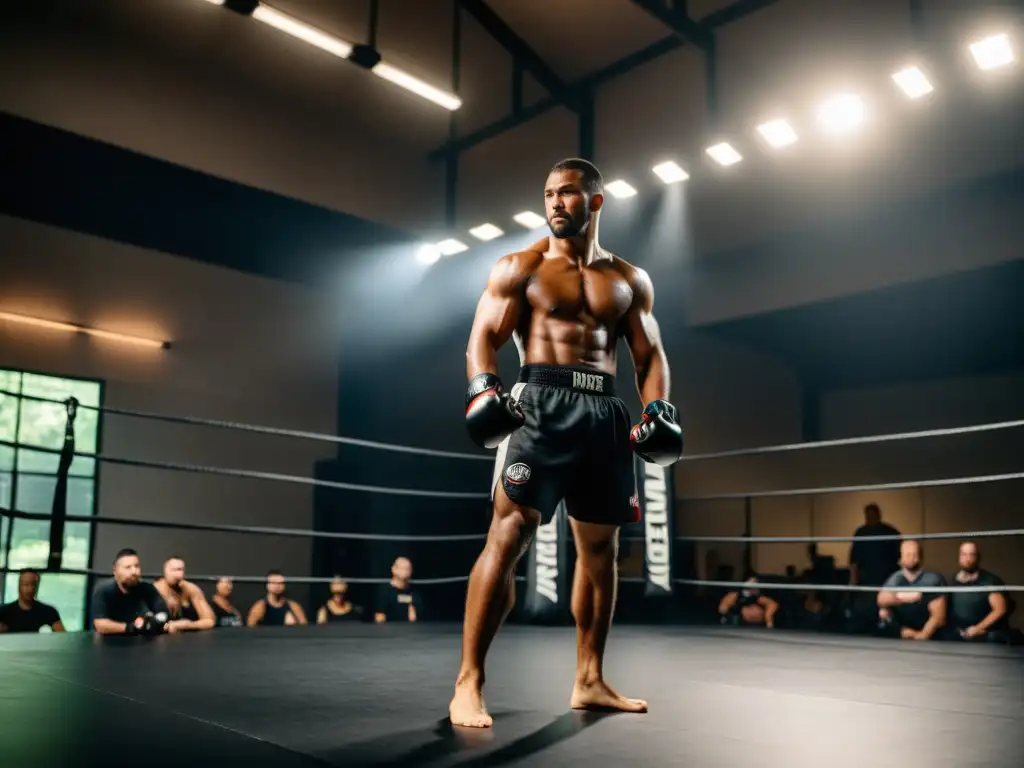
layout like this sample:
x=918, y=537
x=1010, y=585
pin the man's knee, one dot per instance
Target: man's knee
x=513, y=526
x=596, y=545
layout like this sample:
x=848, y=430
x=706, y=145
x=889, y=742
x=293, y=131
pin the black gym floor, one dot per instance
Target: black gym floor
x=377, y=695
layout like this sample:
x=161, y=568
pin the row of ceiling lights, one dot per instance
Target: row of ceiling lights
x=346, y=50
x=839, y=115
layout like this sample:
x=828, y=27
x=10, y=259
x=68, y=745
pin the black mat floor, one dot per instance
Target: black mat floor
x=377, y=695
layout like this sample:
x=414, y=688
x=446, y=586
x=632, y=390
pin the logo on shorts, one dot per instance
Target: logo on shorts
x=634, y=504
x=589, y=381
x=517, y=474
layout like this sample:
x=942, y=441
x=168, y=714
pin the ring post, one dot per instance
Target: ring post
x=59, y=509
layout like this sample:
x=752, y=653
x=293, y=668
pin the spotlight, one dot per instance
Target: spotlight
x=619, y=189
x=841, y=114
x=412, y=84
x=451, y=246
x=724, y=154
x=992, y=52
x=428, y=254
x=778, y=133
x=912, y=81
x=216, y=2
x=486, y=232
x=529, y=219
x=670, y=173
x=302, y=31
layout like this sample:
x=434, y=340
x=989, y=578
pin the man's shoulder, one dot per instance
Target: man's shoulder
x=6, y=608
x=989, y=579
x=932, y=579
x=104, y=587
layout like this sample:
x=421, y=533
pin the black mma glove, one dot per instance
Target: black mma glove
x=147, y=624
x=658, y=438
x=491, y=414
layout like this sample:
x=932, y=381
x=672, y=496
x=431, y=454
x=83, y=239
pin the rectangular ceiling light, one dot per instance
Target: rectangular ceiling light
x=724, y=154
x=216, y=2
x=669, y=172
x=778, y=133
x=992, y=52
x=619, y=189
x=412, y=84
x=451, y=246
x=913, y=82
x=841, y=114
x=302, y=31
x=486, y=232
x=72, y=328
x=428, y=254
x=529, y=219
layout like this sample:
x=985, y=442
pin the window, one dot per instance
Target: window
x=28, y=479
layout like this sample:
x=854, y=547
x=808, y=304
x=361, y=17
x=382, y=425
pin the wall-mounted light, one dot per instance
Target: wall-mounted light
x=72, y=328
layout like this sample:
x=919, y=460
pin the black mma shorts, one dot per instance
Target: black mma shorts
x=574, y=446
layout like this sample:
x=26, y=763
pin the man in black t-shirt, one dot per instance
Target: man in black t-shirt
x=26, y=614
x=977, y=615
x=916, y=615
x=873, y=561
x=396, y=600
x=126, y=605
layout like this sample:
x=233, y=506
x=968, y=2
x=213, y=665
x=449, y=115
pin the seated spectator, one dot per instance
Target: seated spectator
x=748, y=606
x=396, y=600
x=226, y=614
x=913, y=615
x=339, y=608
x=126, y=605
x=814, y=613
x=187, y=608
x=977, y=615
x=26, y=614
x=275, y=610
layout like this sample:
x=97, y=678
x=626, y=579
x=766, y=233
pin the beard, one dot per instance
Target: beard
x=971, y=569
x=573, y=226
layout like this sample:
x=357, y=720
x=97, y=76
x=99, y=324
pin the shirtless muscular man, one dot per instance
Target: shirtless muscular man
x=561, y=433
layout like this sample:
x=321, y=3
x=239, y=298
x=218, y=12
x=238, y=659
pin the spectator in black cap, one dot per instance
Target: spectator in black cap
x=26, y=614
x=127, y=605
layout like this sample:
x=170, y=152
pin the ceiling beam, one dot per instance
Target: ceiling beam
x=676, y=19
x=529, y=59
x=721, y=18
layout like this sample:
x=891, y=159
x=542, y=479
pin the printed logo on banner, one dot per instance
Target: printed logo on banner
x=546, y=542
x=657, y=549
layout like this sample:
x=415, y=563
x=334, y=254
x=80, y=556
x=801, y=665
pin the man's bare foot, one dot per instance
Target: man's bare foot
x=600, y=696
x=468, y=709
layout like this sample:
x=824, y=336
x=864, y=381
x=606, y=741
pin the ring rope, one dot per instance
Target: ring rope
x=755, y=451
x=298, y=532
x=856, y=488
x=253, y=579
x=840, y=539
x=256, y=475
x=770, y=585
x=242, y=528
x=761, y=585
x=265, y=430
x=865, y=440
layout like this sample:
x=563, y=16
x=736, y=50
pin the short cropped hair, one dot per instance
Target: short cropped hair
x=126, y=552
x=35, y=573
x=274, y=573
x=593, y=182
